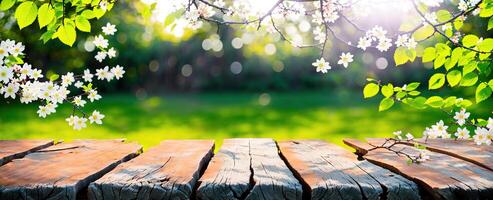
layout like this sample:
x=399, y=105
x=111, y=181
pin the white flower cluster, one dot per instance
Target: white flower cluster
x=323, y=66
x=482, y=135
x=330, y=9
x=19, y=80
x=464, y=5
x=398, y=135
x=102, y=43
x=406, y=41
x=376, y=34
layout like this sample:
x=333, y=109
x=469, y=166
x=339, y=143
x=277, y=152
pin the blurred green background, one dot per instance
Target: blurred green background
x=176, y=89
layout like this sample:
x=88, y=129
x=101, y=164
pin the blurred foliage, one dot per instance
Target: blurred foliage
x=156, y=60
x=329, y=115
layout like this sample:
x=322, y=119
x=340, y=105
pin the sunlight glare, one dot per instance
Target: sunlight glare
x=261, y=6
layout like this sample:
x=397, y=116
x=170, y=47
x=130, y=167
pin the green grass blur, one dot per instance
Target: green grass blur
x=323, y=115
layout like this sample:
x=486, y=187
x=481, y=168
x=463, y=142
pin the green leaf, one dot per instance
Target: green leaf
x=470, y=67
x=484, y=68
x=486, y=12
x=54, y=77
x=88, y=14
x=66, y=33
x=26, y=14
x=400, y=56
x=400, y=95
x=82, y=24
x=443, y=15
x=454, y=58
x=45, y=15
x=423, y=33
x=449, y=102
x=469, y=79
x=454, y=77
x=385, y=104
x=491, y=83
x=47, y=36
x=370, y=90
x=483, y=92
x=470, y=40
x=429, y=54
x=6, y=4
x=98, y=13
x=414, y=93
x=436, y=81
x=458, y=24
x=418, y=103
x=463, y=104
x=435, y=101
x=486, y=45
x=439, y=61
x=442, y=49
x=388, y=90
x=412, y=86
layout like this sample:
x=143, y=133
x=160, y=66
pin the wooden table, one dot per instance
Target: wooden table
x=247, y=168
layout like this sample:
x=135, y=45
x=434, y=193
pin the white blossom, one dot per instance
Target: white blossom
x=6, y=74
x=104, y=73
x=321, y=65
x=10, y=90
x=462, y=5
x=24, y=71
x=96, y=117
x=461, y=117
x=401, y=40
x=79, y=123
x=87, y=75
x=481, y=136
x=35, y=74
x=93, y=95
x=109, y=29
x=111, y=52
x=78, y=84
x=384, y=44
x=117, y=71
x=100, y=42
x=78, y=101
x=345, y=59
x=68, y=79
x=42, y=111
x=462, y=133
x=364, y=42
x=100, y=56
x=409, y=136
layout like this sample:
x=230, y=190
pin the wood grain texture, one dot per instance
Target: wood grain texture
x=331, y=172
x=248, y=169
x=12, y=149
x=62, y=170
x=167, y=171
x=443, y=176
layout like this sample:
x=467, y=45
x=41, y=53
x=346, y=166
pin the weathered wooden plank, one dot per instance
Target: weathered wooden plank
x=62, y=170
x=248, y=169
x=443, y=176
x=331, y=172
x=481, y=155
x=167, y=171
x=12, y=149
